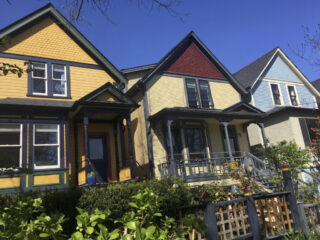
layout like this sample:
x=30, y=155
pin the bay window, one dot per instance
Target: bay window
x=46, y=146
x=10, y=145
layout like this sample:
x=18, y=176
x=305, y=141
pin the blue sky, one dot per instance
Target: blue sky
x=236, y=31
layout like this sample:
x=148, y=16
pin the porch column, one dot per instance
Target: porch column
x=265, y=141
x=131, y=156
x=76, y=154
x=226, y=133
x=123, y=150
x=86, y=141
x=115, y=134
x=173, y=164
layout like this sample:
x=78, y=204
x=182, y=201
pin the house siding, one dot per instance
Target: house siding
x=223, y=94
x=306, y=98
x=262, y=96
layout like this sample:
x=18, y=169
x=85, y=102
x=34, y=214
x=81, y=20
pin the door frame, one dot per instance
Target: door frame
x=106, y=149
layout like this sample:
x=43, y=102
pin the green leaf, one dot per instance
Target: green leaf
x=44, y=235
x=132, y=204
x=132, y=225
x=89, y=230
x=150, y=231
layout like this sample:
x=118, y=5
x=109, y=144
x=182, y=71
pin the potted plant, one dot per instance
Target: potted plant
x=91, y=178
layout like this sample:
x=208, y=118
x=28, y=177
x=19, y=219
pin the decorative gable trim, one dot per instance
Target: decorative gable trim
x=49, y=9
x=243, y=107
x=109, y=88
x=172, y=56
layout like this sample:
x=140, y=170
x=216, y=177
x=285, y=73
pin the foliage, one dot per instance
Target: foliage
x=300, y=235
x=28, y=220
x=7, y=68
x=308, y=193
x=91, y=174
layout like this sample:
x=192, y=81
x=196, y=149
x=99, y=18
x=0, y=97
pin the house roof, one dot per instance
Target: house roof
x=175, y=52
x=316, y=84
x=138, y=69
x=247, y=76
x=50, y=10
x=292, y=110
x=242, y=107
x=36, y=103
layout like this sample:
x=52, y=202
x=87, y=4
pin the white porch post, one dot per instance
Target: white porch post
x=226, y=132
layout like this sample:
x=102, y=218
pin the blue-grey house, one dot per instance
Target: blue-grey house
x=288, y=98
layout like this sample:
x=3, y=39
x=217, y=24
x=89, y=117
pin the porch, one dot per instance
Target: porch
x=199, y=143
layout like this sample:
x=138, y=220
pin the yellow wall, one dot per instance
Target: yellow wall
x=165, y=92
x=82, y=80
x=10, y=182
x=46, y=179
x=138, y=129
x=134, y=77
x=223, y=95
x=46, y=39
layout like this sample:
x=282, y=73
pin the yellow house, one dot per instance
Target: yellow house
x=66, y=117
x=192, y=117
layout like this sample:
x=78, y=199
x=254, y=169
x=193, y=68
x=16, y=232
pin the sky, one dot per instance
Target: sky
x=236, y=31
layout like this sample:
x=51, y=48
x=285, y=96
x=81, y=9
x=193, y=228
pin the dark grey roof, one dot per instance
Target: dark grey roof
x=137, y=69
x=248, y=75
x=36, y=103
x=289, y=109
x=316, y=84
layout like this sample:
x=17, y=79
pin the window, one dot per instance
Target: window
x=196, y=143
x=292, y=95
x=39, y=79
x=233, y=140
x=10, y=145
x=276, y=94
x=46, y=146
x=198, y=93
x=49, y=79
x=59, y=80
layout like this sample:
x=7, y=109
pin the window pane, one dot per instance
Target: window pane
x=46, y=134
x=46, y=156
x=9, y=157
x=276, y=94
x=58, y=72
x=292, y=94
x=195, y=141
x=96, y=148
x=9, y=134
x=59, y=87
x=205, y=94
x=39, y=70
x=192, y=92
x=39, y=86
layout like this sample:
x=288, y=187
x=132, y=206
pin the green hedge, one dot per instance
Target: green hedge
x=173, y=194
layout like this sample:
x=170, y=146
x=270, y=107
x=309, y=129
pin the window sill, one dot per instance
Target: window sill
x=52, y=97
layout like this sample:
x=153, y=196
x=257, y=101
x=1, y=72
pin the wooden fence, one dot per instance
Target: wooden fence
x=264, y=216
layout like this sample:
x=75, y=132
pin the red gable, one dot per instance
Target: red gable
x=193, y=62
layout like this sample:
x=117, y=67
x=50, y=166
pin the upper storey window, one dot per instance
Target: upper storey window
x=276, y=94
x=293, y=95
x=49, y=80
x=198, y=93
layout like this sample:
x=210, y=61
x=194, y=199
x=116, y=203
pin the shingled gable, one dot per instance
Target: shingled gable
x=181, y=53
x=249, y=75
x=50, y=10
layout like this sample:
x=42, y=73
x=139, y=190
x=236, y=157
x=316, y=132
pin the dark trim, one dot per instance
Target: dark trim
x=291, y=110
x=148, y=134
x=243, y=104
x=42, y=59
x=115, y=135
x=24, y=144
x=76, y=149
x=138, y=68
x=123, y=150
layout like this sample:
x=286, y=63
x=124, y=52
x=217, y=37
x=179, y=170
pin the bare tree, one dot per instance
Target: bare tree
x=309, y=49
x=75, y=8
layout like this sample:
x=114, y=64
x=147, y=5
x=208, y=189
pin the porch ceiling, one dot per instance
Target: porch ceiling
x=180, y=113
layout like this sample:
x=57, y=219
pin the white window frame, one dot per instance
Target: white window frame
x=45, y=79
x=61, y=80
x=15, y=145
x=270, y=88
x=47, y=145
x=296, y=92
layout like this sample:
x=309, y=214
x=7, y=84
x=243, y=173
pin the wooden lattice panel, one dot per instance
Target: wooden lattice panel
x=312, y=216
x=232, y=220
x=274, y=215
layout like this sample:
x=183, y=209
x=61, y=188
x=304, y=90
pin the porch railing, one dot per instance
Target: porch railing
x=198, y=165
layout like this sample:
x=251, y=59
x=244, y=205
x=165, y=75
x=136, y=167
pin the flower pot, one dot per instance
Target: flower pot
x=91, y=180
